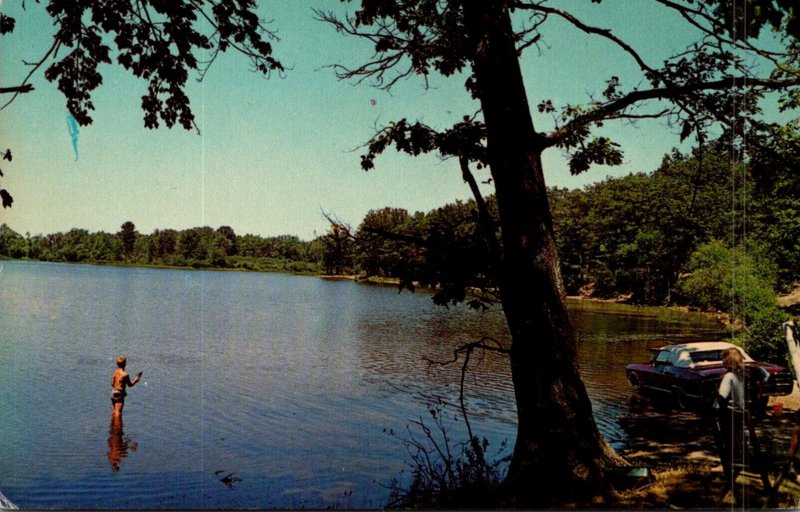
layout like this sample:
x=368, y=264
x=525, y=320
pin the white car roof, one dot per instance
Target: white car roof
x=681, y=353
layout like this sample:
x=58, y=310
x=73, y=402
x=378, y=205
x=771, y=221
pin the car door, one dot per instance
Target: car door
x=661, y=377
x=674, y=372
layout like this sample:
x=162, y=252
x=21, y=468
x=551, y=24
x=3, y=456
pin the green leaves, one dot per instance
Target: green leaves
x=739, y=280
x=155, y=40
x=444, y=249
x=5, y=196
x=127, y=235
x=7, y=24
x=600, y=150
x=631, y=236
x=745, y=20
x=463, y=139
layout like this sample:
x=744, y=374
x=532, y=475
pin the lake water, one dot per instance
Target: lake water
x=288, y=384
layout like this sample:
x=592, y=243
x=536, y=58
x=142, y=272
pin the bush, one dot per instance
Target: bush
x=198, y=263
x=742, y=283
x=763, y=338
x=177, y=261
x=445, y=475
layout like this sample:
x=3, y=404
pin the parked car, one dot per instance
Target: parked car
x=691, y=373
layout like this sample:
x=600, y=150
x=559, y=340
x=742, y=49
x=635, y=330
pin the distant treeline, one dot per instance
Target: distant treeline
x=633, y=236
x=201, y=247
x=643, y=234
x=640, y=236
x=697, y=231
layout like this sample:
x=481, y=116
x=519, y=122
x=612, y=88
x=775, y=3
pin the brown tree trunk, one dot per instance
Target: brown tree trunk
x=559, y=453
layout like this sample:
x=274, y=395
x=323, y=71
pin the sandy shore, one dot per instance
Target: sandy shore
x=790, y=402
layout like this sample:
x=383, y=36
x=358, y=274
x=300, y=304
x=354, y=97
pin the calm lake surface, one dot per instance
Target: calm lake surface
x=288, y=383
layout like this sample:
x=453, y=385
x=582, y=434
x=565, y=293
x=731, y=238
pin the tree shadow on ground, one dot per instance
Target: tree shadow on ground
x=678, y=446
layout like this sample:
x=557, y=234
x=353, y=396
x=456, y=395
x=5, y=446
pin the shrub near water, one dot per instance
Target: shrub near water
x=740, y=282
x=764, y=338
x=447, y=474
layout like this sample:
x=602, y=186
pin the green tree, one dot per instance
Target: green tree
x=739, y=281
x=571, y=228
x=633, y=235
x=284, y=246
x=194, y=243
x=75, y=246
x=691, y=202
x=229, y=240
x=165, y=243
x=774, y=162
x=337, y=258
x=217, y=249
x=315, y=250
x=252, y=246
x=127, y=235
x=735, y=279
x=618, y=222
x=376, y=255
x=104, y=247
x=143, y=249
x=11, y=243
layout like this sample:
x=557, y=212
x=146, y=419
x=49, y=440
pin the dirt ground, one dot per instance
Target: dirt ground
x=678, y=448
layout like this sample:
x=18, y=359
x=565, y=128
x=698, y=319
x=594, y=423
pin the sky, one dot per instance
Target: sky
x=274, y=154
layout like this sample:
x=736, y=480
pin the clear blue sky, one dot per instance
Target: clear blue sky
x=274, y=153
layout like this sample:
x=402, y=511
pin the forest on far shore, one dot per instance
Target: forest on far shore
x=671, y=236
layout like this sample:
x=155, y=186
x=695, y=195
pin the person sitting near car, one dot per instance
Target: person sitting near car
x=791, y=333
x=729, y=408
x=731, y=389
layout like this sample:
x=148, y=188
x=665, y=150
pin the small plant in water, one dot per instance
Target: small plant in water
x=444, y=473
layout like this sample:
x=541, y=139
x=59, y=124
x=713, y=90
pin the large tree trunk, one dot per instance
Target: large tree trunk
x=559, y=453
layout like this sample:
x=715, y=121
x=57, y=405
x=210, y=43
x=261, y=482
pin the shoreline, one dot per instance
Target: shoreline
x=678, y=448
x=788, y=302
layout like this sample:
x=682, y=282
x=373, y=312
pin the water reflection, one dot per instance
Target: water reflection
x=118, y=443
x=300, y=377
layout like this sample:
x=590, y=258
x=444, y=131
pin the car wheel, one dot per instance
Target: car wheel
x=634, y=380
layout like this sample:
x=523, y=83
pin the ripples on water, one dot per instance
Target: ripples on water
x=286, y=382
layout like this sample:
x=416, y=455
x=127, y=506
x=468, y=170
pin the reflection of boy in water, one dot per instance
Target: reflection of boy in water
x=119, y=381
x=117, y=445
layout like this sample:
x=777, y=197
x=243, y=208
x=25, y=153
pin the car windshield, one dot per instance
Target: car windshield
x=706, y=355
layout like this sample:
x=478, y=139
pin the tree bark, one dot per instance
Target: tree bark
x=559, y=453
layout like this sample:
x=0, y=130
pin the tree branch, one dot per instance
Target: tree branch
x=605, y=33
x=467, y=349
x=380, y=65
x=398, y=237
x=25, y=86
x=484, y=217
x=16, y=89
x=609, y=109
x=718, y=29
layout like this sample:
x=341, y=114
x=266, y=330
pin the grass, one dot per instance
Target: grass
x=696, y=487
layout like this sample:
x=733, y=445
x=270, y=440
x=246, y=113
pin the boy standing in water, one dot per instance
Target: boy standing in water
x=119, y=381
